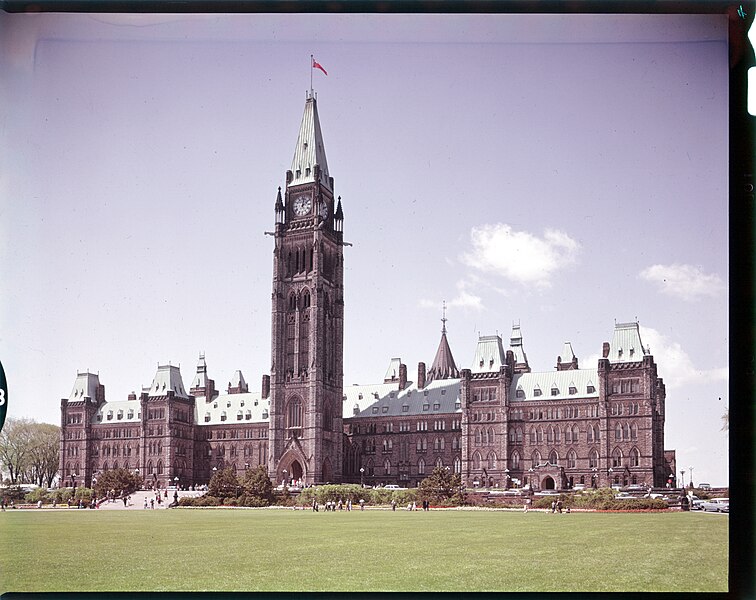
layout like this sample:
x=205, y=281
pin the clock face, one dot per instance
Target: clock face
x=302, y=205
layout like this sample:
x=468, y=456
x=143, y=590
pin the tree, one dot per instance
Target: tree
x=122, y=481
x=224, y=484
x=15, y=445
x=257, y=483
x=43, y=454
x=440, y=486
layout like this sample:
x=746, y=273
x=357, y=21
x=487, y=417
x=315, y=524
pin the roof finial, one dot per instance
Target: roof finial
x=443, y=319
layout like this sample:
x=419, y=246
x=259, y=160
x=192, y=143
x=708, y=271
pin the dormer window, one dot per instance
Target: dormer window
x=405, y=407
x=520, y=393
x=207, y=417
x=359, y=397
x=457, y=404
x=215, y=405
x=437, y=406
x=223, y=416
x=265, y=414
x=239, y=416
x=537, y=391
x=554, y=391
x=425, y=392
x=384, y=409
x=356, y=409
x=426, y=407
x=590, y=389
x=131, y=414
x=443, y=392
x=241, y=403
x=248, y=415
x=99, y=417
x=375, y=410
x=110, y=415
x=119, y=415
x=573, y=390
x=228, y=404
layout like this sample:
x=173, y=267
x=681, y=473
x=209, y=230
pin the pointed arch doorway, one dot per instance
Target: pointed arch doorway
x=295, y=470
x=548, y=483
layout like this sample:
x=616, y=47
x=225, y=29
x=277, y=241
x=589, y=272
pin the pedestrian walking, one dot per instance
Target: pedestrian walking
x=362, y=504
x=559, y=506
x=124, y=501
x=152, y=503
x=553, y=505
x=145, y=502
x=393, y=505
x=349, y=505
x=414, y=505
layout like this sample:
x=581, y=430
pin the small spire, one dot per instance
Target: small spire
x=339, y=212
x=443, y=318
x=279, y=201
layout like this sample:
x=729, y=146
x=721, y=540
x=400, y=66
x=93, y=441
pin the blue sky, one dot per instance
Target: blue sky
x=559, y=171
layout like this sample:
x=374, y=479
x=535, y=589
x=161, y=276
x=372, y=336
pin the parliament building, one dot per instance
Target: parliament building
x=492, y=420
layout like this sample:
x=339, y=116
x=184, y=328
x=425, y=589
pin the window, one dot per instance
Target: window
x=239, y=416
x=294, y=417
x=535, y=459
x=634, y=432
x=537, y=392
x=248, y=415
x=590, y=389
x=515, y=460
x=207, y=417
x=571, y=459
x=405, y=407
x=436, y=406
x=617, y=458
x=593, y=459
x=387, y=467
x=573, y=390
x=476, y=460
x=426, y=407
x=375, y=410
x=457, y=465
x=618, y=432
x=110, y=415
x=491, y=460
x=634, y=457
x=520, y=393
x=421, y=467
x=223, y=416
x=555, y=391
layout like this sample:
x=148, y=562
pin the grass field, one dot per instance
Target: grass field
x=285, y=550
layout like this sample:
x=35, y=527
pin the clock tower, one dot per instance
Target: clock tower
x=306, y=379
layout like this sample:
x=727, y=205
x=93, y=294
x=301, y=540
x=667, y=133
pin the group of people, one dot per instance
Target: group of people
x=333, y=506
x=556, y=506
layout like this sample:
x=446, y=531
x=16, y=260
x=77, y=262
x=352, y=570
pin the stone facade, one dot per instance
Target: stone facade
x=496, y=423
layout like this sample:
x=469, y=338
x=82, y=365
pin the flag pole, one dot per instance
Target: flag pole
x=312, y=58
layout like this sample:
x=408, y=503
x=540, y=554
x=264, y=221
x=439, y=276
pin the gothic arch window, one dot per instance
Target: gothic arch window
x=490, y=436
x=387, y=467
x=532, y=436
x=596, y=433
x=617, y=458
x=306, y=299
x=370, y=467
x=115, y=465
x=634, y=432
x=575, y=433
x=476, y=460
x=568, y=434
x=292, y=301
x=457, y=464
x=634, y=457
x=421, y=466
x=550, y=435
x=593, y=458
x=535, y=459
x=491, y=460
x=294, y=417
x=160, y=467
x=540, y=435
x=512, y=436
x=515, y=460
x=150, y=468
x=618, y=432
x=553, y=457
x=590, y=433
x=571, y=459
x=519, y=435
x=477, y=436
x=440, y=462
x=104, y=466
x=626, y=432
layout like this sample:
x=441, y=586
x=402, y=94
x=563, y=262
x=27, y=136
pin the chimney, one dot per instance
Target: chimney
x=420, y=375
x=265, y=386
x=402, y=376
x=605, y=350
x=132, y=396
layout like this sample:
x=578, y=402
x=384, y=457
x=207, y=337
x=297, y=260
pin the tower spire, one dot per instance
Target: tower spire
x=443, y=318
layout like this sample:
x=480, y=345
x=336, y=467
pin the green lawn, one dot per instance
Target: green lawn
x=286, y=550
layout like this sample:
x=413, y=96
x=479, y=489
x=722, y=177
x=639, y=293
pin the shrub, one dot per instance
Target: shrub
x=38, y=494
x=122, y=481
x=224, y=484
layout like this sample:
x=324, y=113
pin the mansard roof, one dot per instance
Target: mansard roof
x=515, y=345
x=626, y=344
x=85, y=386
x=443, y=366
x=119, y=411
x=167, y=378
x=310, y=150
x=385, y=399
x=211, y=412
x=561, y=381
x=489, y=355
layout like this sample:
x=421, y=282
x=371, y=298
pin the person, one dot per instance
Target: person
x=349, y=505
x=152, y=503
x=39, y=503
x=166, y=493
x=559, y=506
x=553, y=505
x=409, y=505
x=2, y=504
x=414, y=505
x=525, y=506
x=393, y=505
x=81, y=503
x=362, y=504
x=341, y=504
x=568, y=510
x=145, y=502
x=175, y=497
x=124, y=501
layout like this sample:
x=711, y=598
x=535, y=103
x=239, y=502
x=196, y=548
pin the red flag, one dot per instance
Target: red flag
x=317, y=65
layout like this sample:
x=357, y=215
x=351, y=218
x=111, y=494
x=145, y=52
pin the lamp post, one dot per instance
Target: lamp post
x=530, y=479
x=610, y=471
x=691, y=476
x=286, y=479
x=176, y=480
x=506, y=479
x=682, y=477
x=362, y=473
x=594, y=477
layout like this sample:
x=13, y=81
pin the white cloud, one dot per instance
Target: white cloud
x=684, y=281
x=675, y=366
x=464, y=299
x=520, y=256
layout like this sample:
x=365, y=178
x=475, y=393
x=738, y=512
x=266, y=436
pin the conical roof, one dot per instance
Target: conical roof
x=310, y=150
x=443, y=366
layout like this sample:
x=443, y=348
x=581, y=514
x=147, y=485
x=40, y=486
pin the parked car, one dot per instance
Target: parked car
x=393, y=486
x=717, y=505
x=704, y=486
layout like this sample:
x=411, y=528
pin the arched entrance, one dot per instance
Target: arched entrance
x=295, y=470
x=547, y=483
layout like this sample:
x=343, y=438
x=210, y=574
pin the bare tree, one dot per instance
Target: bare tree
x=29, y=451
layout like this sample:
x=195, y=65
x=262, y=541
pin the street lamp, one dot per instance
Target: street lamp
x=286, y=479
x=682, y=477
x=691, y=476
x=610, y=471
x=362, y=473
x=594, y=477
x=506, y=479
